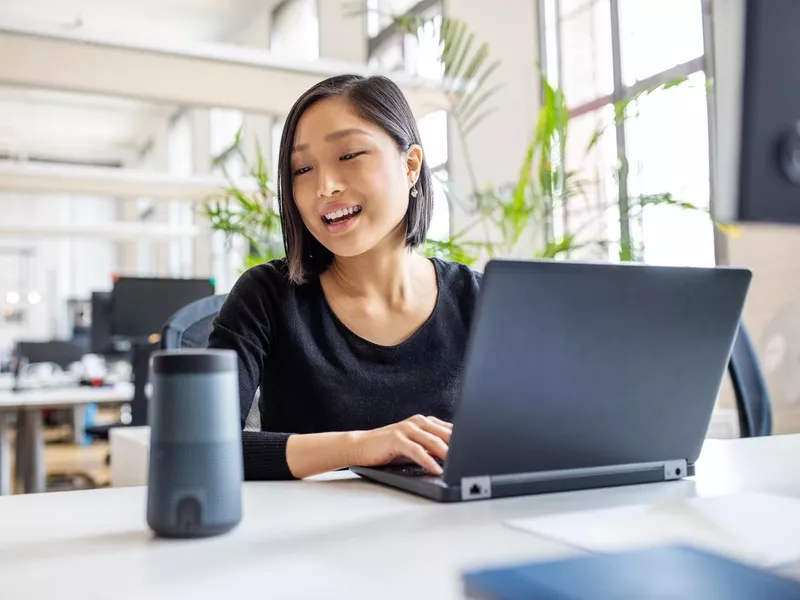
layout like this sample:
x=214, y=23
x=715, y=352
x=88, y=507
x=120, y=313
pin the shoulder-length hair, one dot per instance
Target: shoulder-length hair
x=378, y=100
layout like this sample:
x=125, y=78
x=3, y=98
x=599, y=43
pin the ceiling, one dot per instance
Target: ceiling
x=168, y=20
x=84, y=128
x=49, y=125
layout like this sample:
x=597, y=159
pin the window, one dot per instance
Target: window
x=656, y=36
x=393, y=49
x=380, y=13
x=584, y=50
x=433, y=131
x=606, y=51
x=666, y=154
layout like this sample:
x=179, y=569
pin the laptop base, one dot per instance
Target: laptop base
x=506, y=486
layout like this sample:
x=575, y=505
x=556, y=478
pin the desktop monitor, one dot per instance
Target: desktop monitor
x=758, y=97
x=60, y=352
x=140, y=306
x=100, y=341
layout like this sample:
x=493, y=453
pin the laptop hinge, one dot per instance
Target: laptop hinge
x=476, y=488
x=672, y=469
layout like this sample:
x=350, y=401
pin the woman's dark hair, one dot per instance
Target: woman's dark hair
x=378, y=100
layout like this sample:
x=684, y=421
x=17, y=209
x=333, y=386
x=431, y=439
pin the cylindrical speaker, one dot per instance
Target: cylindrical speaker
x=195, y=474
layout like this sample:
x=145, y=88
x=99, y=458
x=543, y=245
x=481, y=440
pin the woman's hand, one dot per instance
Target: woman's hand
x=417, y=439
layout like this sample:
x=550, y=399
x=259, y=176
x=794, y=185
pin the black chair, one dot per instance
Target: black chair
x=191, y=325
x=190, y=328
x=752, y=397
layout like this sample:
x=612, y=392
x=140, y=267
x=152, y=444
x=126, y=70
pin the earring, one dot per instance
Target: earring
x=414, y=192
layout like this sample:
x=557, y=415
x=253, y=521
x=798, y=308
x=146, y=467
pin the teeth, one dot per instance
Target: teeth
x=338, y=214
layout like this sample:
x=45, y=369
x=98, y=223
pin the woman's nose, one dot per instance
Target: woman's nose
x=328, y=183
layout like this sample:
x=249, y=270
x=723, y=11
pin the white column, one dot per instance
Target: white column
x=201, y=164
x=127, y=252
x=160, y=163
x=497, y=146
x=342, y=35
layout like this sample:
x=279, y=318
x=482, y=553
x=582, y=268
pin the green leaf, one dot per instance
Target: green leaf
x=557, y=248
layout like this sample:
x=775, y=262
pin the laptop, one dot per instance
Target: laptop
x=583, y=375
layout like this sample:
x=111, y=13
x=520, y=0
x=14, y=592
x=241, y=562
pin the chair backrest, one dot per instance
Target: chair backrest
x=190, y=328
x=191, y=325
x=752, y=398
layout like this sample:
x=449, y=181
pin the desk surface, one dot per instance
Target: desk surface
x=334, y=536
x=65, y=396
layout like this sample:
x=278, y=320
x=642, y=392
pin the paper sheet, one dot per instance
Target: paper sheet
x=760, y=529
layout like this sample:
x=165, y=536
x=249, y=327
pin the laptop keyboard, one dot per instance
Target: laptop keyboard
x=410, y=470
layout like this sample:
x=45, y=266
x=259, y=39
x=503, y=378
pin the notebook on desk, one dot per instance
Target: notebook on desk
x=659, y=573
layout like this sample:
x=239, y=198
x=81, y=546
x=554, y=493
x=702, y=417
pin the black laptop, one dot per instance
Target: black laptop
x=583, y=375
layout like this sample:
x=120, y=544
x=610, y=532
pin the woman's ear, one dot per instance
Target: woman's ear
x=413, y=164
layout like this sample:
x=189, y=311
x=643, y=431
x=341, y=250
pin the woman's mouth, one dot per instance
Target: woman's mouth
x=339, y=220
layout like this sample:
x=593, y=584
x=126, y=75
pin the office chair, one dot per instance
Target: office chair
x=752, y=398
x=190, y=328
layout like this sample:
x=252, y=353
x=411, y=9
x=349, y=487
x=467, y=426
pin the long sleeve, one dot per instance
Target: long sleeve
x=244, y=325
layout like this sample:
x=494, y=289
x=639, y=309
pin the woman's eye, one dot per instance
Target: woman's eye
x=302, y=170
x=349, y=155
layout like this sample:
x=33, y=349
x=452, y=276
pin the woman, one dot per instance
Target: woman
x=356, y=340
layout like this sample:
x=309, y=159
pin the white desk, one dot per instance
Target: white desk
x=28, y=404
x=331, y=537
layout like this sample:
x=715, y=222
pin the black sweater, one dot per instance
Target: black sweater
x=316, y=375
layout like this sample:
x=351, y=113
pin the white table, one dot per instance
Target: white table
x=28, y=405
x=329, y=537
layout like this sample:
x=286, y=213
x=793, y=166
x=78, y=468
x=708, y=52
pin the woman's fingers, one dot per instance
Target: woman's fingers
x=419, y=455
x=432, y=443
x=436, y=429
x=441, y=423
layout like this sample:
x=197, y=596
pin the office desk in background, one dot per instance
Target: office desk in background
x=333, y=536
x=28, y=405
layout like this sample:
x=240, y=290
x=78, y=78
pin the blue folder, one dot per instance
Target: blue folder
x=662, y=573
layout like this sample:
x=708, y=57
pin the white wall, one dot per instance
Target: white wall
x=255, y=32
x=341, y=35
x=497, y=146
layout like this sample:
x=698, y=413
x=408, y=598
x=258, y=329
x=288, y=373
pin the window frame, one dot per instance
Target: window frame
x=621, y=92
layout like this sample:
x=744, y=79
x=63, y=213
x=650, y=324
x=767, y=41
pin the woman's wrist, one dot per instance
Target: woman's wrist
x=315, y=453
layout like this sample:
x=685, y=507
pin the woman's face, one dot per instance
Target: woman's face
x=351, y=182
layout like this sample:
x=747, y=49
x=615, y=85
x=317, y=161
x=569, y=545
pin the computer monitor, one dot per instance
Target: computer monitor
x=60, y=352
x=757, y=89
x=100, y=341
x=140, y=306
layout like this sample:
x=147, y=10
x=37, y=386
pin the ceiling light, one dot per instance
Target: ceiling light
x=34, y=297
x=12, y=297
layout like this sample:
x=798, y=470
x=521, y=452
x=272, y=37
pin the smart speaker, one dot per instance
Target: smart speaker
x=195, y=474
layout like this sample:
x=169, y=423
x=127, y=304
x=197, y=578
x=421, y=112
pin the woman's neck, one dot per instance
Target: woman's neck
x=387, y=276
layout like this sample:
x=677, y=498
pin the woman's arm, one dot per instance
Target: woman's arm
x=417, y=439
x=244, y=326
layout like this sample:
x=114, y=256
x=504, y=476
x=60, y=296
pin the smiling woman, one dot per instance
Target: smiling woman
x=355, y=339
x=346, y=140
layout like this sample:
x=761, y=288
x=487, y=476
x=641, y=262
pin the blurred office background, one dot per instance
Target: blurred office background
x=130, y=132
